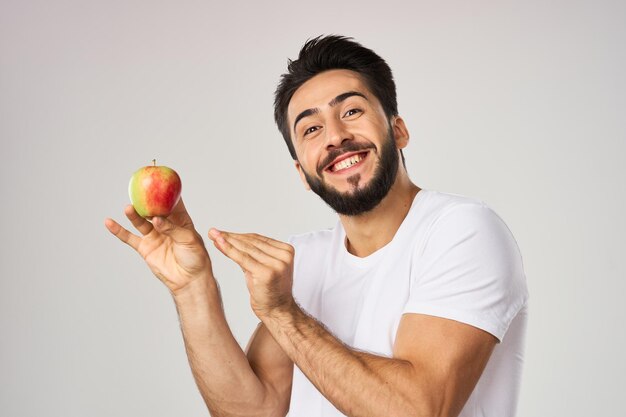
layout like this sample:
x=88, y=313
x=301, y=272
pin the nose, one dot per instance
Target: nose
x=336, y=133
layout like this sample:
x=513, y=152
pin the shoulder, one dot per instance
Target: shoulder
x=440, y=203
x=455, y=214
x=469, y=267
x=467, y=241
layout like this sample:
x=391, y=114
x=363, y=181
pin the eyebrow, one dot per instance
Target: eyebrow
x=331, y=103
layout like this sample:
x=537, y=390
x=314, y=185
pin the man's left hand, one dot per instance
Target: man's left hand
x=267, y=265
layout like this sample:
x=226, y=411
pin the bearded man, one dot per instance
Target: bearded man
x=414, y=304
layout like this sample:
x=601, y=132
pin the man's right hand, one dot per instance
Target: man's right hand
x=171, y=246
x=176, y=254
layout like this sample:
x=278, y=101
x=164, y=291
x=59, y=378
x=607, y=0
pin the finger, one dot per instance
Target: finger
x=122, y=234
x=179, y=214
x=268, y=240
x=265, y=243
x=261, y=246
x=178, y=233
x=241, y=258
x=141, y=224
x=253, y=250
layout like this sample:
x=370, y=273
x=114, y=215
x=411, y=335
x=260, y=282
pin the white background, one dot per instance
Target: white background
x=521, y=104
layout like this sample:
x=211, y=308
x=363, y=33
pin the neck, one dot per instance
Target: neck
x=368, y=232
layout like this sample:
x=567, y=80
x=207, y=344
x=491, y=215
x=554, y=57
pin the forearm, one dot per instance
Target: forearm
x=359, y=384
x=222, y=372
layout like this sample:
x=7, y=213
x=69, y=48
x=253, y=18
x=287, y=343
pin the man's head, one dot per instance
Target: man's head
x=337, y=111
x=327, y=53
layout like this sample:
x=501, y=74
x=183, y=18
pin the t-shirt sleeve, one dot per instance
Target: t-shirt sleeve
x=470, y=270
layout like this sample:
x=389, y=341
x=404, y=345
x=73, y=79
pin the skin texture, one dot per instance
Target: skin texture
x=436, y=362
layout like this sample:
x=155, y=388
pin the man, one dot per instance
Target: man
x=413, y=305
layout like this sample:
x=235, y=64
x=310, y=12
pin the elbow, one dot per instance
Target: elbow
x=270, y=407
x=427, y=409
x=432, y=401
x=423, y=410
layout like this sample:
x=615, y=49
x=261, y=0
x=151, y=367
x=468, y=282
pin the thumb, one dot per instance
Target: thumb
x=177, y=233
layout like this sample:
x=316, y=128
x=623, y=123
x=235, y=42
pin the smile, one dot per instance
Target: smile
x=347, y=162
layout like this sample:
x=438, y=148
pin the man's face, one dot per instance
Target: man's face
x=345, y=145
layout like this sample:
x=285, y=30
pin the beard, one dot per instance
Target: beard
x=359, y=200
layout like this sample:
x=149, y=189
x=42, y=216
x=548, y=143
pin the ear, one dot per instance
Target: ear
x=302, y=177
x=400, y=132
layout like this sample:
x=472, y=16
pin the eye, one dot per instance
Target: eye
x=352, y=112
x=310, y=130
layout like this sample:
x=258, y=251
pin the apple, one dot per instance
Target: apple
x=154, y=190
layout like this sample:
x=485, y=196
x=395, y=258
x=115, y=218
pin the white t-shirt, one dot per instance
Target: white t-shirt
x=452, y=257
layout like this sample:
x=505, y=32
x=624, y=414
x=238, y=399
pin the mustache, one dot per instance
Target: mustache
x=347, y=147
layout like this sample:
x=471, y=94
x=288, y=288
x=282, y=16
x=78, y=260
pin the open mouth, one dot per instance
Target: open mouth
x=346, y=161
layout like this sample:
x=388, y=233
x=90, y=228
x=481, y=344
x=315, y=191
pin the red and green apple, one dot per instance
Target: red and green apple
x=154, y=190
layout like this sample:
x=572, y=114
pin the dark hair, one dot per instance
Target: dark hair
x=333, y=52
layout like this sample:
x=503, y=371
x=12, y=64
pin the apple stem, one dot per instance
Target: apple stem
x=154, y=162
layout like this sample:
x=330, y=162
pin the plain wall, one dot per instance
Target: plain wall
x=521, y=104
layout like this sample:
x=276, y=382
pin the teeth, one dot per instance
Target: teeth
x=347, y=163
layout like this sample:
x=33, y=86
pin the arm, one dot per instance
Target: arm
x=221, y=369
x=175, y=253
x=436, y=362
